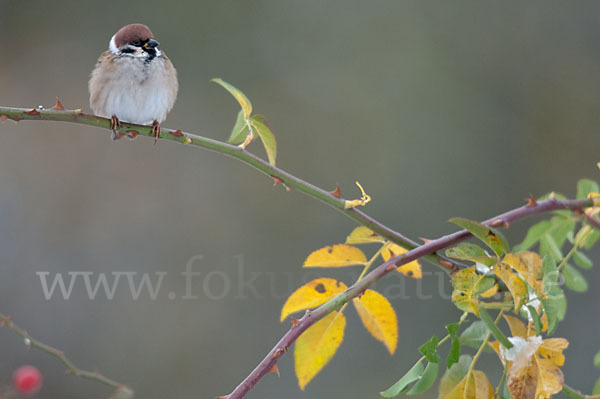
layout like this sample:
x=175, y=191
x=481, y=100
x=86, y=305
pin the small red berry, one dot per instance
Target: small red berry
x=27, y=380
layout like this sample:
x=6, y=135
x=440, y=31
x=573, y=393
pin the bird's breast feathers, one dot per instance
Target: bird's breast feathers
x=133, y=89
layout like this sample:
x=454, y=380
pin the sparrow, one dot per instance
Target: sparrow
x=133, y=81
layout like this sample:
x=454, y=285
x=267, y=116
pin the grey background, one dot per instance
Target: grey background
x=438, y=108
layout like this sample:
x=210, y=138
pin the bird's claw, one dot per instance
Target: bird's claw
x=155, y=131
x=115, y=125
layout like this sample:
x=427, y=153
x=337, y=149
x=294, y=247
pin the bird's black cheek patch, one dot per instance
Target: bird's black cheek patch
x=151, y=54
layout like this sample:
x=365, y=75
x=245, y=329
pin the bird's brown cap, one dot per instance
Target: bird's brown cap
x=131, y=33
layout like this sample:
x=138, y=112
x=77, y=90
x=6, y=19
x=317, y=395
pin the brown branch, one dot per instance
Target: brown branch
x=6, y=321
x=591, y=220
x=353, y=291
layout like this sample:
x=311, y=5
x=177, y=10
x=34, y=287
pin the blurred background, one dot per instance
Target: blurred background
x=439, y=109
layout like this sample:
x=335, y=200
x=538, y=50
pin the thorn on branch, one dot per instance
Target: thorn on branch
x=275, y=370
x=58, y=106
x=336, y=192
x=276, y=181
x=531, y=201
x=32, y=111
x=177, y=133
x=3, y=118
x=390, y=268
x=499, y=223
x=295, y=322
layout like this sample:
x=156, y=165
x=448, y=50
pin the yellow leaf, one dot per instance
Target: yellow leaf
x=317, y=345
x=517, y=327
x=479, y=388
x=522, y=383
x=378, y=317
x=527, y=264
x=411, y=269
x=491, y=292
x=363, y=235
x=516, y=286
x=238, y=95
x=338, y=255
x=496, y=347
x=464, y=282
x=552, y=349
x=483, y=387
x=311, y=295
x=550, y=379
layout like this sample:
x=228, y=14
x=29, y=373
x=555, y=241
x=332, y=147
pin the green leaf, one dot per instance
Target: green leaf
x=472, y=252
x=582, y=260
x=536, y=319
x=412, y=375
x=238, y=95
x=427, y=379
x=474, y=335
x=454, y=353
x=262, y=128
x=534, y=234
x=454, y=375
x=505, y=393
x=560, y=228
x=591, y=239
x=553, y=301
x=429, y=350
x=586, y=186
x=596, y=390
x=239, y=131
x=490, y=236
x=548, y=247
x=574, y=280
x=484, y=284
x=597, y=360
x=453, y=329
x=499, y=335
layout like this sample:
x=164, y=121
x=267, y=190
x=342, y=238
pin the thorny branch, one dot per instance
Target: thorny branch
x=279, y=176
x=311, y=317
x=6, y=321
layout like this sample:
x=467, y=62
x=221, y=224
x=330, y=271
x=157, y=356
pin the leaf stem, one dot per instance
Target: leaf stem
x=572, y=393
x=478, y=353
x=504, y=374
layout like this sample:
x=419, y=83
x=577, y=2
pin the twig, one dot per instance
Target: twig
x=572, y=393
x=478, y=354
x=71, y=368
x=591, y=220
x=278, y=175
x=353, y=291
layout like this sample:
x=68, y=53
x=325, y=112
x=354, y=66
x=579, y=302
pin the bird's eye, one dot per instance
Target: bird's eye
x=137, y=43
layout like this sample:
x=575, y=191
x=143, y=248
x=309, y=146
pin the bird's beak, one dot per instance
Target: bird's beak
x=151, y=43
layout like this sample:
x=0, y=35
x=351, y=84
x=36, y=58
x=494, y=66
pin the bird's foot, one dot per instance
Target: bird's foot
x=155, y=131
x=115, y=125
